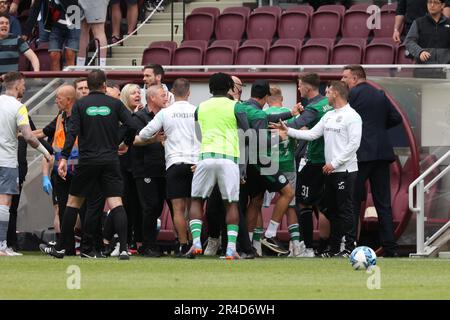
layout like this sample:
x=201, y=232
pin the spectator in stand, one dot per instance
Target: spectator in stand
x=38, y=11
x=64, y=36
x=15, y=28
x=428, y=40
x=153, y=75
x=116, y=17
x=407, y=12
x=93, y=20
x=11, y=47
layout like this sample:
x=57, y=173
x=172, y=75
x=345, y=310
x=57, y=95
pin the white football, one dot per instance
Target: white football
x=362, y=258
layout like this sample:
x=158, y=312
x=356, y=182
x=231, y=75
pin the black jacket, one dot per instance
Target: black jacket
x=95, y=120
x=147, y=161
x=378, y=115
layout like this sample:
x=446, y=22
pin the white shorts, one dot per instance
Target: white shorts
x=210, y=172
x=94, y=10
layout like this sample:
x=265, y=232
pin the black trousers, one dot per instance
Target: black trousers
x=92, y=224
x=132, y=207
x=152, y=194
x=215, y=215
x=339, y=192
x=378, y=174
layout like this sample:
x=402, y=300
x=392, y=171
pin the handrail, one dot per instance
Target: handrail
x=419, y=209
x=38, y=94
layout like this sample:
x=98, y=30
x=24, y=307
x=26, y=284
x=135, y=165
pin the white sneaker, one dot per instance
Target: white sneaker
x=296, y=250
x=257, y=246
x=11, y=253
x=212, y=247
x=307, y=253
x=116, y=250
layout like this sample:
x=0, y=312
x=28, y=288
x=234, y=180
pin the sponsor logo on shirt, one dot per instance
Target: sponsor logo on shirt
x=98, y=111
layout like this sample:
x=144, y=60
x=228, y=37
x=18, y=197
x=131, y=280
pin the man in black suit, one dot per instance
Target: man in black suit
x=375, y=152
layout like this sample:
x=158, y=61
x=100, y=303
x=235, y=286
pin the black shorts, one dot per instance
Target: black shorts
x=258, y=183
x=179, y=181
x=311, y=185
x=107, y=176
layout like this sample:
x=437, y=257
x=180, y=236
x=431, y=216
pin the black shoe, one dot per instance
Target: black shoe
x=50, y=250
x=152, y=253
x=343, y=254
x=124, y=255
x=326, y=254
x=274, y=245
x=92, y=255
x=244, y=255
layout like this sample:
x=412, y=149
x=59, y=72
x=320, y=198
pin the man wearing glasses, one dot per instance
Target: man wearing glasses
x=428, y=40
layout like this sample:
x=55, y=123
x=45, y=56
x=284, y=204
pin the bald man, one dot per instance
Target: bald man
x=55, y=131
x=236, y=91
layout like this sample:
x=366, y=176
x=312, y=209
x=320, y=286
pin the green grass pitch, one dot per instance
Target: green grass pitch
x=35, y=276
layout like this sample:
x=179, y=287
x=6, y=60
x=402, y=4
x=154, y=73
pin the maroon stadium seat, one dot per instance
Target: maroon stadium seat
x=253, y=51
x=293, y=25
x=244, y=10
x=379, y=53
x=221, y=52
x=284, y=51
x=347, y=53
x=231, y=26
x=387, y=20
x=159, y=55
x=340, y=9
x=270, y=9
x=188, y=55
x=199, y=26
x=212, y=10
x=325, y=24
x=301, y=8
x=359, y=7
x=166, y=233
x=355, y=24
x=389, y=7
x=172, y=45
x=262, y=25
x=202, y=44
x=24, y=63
x=316, y=51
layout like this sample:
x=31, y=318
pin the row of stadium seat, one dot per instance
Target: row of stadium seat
x=282, y=52
x=298, y=22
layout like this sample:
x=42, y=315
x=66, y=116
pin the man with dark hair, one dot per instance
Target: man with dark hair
x=375, y=152
x=341, y=129
x=81, y=87
x=13, y=118
x=310, y=179
x=95, y=121
x=153, y=75
x=263, y=176
x=182, y=149
x=11, y=47
x=428, y=40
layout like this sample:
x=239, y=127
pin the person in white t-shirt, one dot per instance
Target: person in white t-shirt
x=181, y=148
x=13, y=118
x=153, y=75
x=341, y=129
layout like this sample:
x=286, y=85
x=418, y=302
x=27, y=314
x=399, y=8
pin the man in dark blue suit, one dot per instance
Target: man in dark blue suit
x=375, y=152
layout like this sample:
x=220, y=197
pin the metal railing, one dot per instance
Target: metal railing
x=419, y=207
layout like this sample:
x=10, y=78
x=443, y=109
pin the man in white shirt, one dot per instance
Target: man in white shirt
x=341, y=129
x=153, y=75
x=181, y=148
x=13, y=117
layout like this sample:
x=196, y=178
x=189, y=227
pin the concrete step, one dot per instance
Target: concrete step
x=128, y=50
x=159, y=27
x=444, y=254
x=178, y=6
x=123, y=61
x=145, y=40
